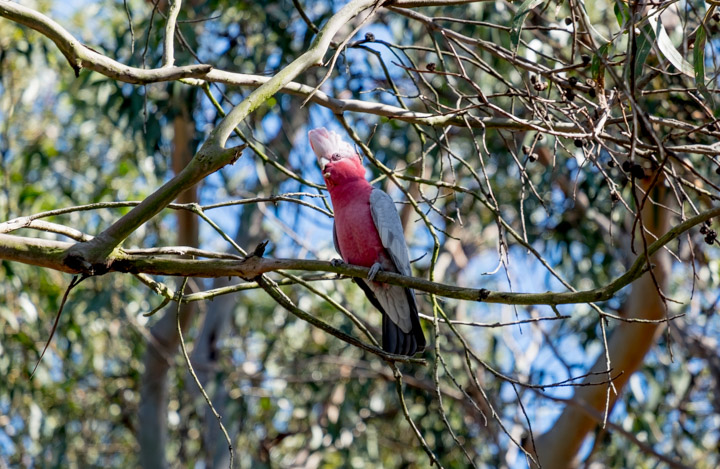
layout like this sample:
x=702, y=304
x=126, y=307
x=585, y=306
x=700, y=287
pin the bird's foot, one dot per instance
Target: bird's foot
x=337, y=262
x=374, y=269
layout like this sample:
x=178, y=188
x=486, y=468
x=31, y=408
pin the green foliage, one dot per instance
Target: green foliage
x=292, y=394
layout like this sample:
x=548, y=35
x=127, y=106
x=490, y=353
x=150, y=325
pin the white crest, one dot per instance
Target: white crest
x=326, y=143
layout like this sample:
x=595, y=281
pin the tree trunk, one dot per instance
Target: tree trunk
x=153, y=390
x=628, y=345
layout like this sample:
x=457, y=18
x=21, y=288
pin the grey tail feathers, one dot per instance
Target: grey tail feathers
x=394, y=340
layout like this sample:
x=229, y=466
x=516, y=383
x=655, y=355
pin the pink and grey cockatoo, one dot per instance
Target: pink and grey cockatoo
x=368, y=232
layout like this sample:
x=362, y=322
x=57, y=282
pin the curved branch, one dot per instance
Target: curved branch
x=338, y=106
x=80, y=56
x=94, y=255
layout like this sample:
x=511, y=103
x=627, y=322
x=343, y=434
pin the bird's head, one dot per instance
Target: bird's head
x=338, y=159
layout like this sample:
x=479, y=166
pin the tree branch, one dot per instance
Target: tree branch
x=80, y=56
x=338, y=106
x=93, y=255
x=50, y=254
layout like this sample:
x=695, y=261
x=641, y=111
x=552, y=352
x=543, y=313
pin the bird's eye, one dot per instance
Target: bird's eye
x=335, y=157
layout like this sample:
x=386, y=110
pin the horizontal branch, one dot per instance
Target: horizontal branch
x=51, y=254
x=30, y=221
x=338, y=106
x=81, y=56
x=93, y=255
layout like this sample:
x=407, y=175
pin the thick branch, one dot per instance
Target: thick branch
x=50, y=254
x=93, y=255
x=81, y=56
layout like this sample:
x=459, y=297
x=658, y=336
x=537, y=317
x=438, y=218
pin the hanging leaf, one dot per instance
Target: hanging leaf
x=598, y=59
x=591, y=29
x=644, y=46
x=519, y=19
x=668, y=49
x=699, y=62
x=622, y=13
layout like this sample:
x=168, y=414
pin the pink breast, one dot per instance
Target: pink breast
x=358, y=238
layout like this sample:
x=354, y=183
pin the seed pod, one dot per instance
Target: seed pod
x=431, y=66
x=637, y=172
x=711, y=237
x=585, y=59
x=370, y=37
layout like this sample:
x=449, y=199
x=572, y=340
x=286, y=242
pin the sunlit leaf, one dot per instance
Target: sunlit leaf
x=668, y=48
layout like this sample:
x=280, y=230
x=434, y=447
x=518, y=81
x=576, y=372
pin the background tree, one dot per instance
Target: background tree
x=555, y=166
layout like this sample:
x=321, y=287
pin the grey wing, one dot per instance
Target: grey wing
x=399, y=307
x=387, y=222
x=402, y=332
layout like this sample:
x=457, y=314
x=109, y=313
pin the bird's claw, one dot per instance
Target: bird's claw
x=376, y=267
x=337, y=262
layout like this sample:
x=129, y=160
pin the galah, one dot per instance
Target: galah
x=368, y=232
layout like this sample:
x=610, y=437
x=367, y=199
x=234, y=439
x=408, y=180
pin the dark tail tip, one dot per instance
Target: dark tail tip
x=402, y=343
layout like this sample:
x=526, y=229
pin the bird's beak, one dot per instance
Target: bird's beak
x=323, y=161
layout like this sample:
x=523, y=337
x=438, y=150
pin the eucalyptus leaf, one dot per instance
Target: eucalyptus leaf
x=668, y=49
x=597, y=61
x=699, y=62
x=644, y=45
x=519, y=19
